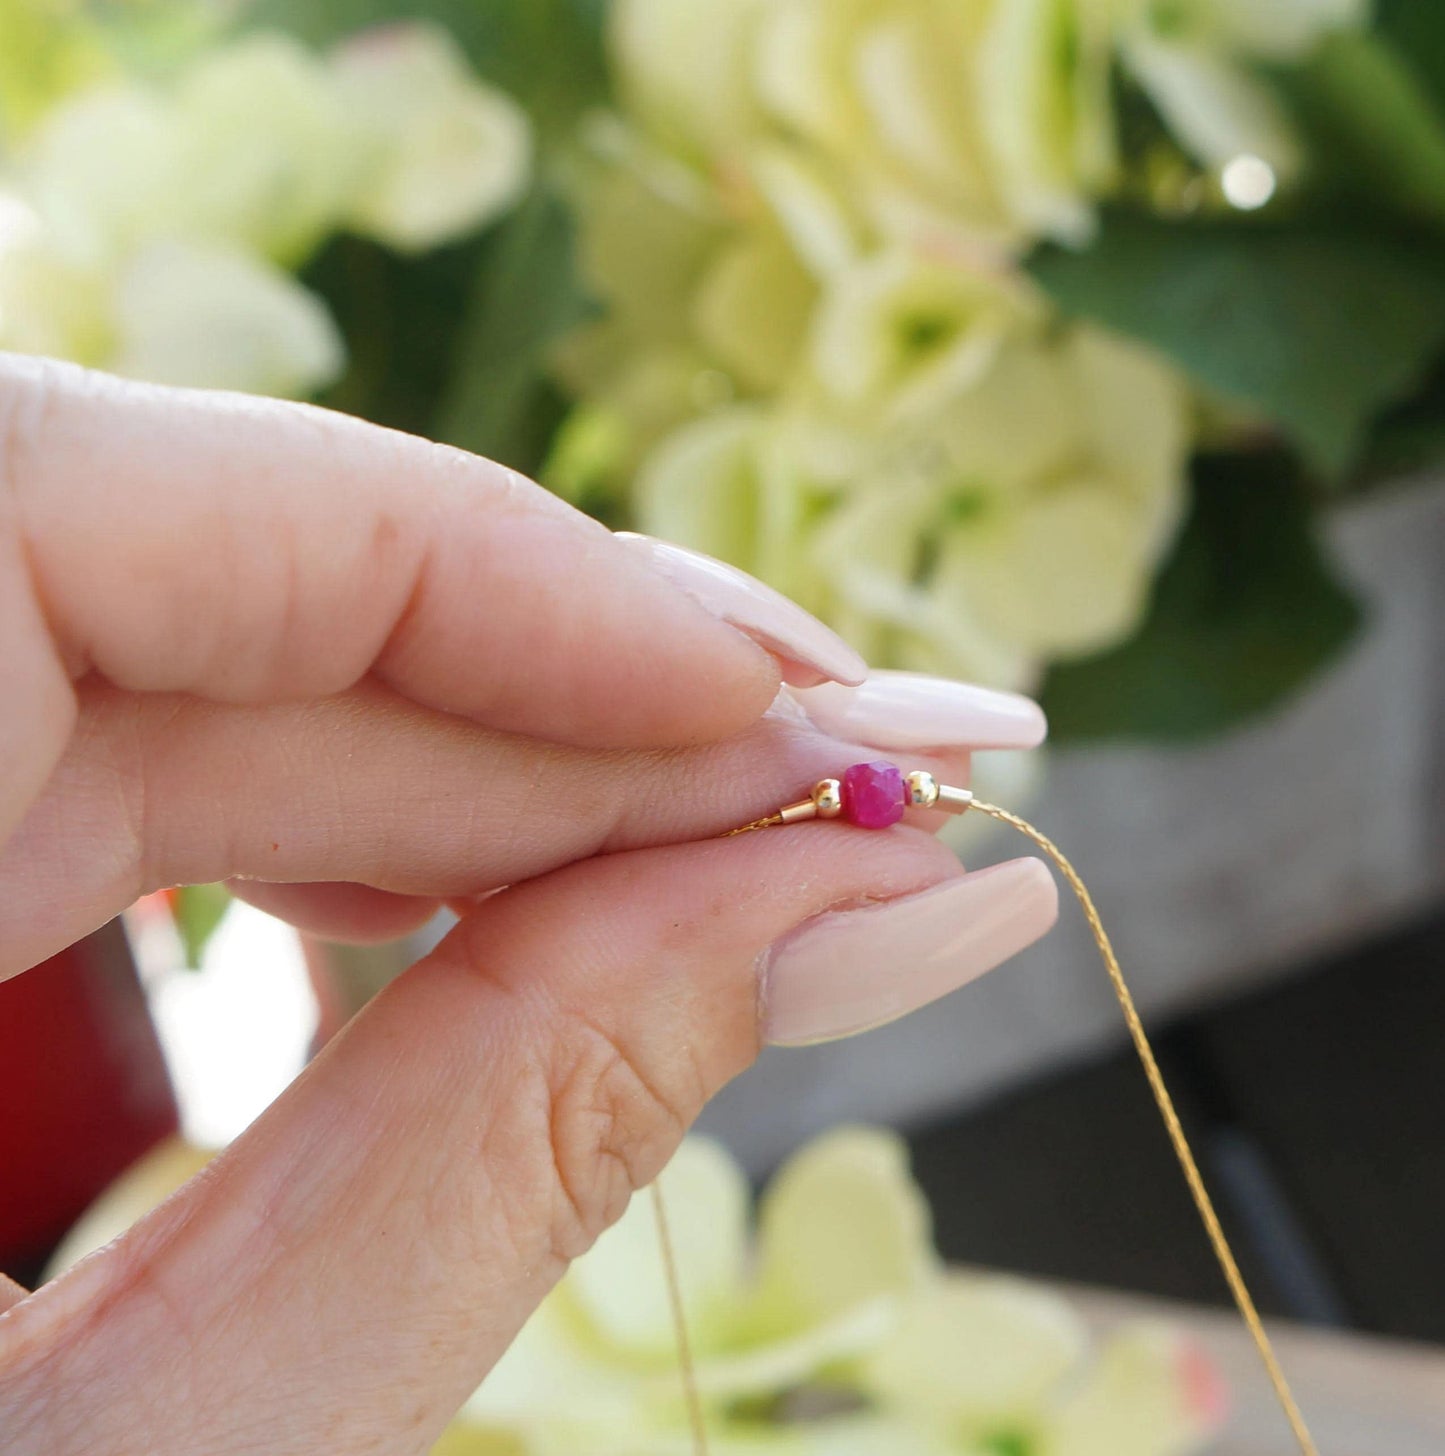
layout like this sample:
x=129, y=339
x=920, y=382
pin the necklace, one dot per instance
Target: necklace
x=872, y=809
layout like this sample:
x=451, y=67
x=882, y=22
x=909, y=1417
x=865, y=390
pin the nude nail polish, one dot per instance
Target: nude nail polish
x=850, y=970
x=909, y=710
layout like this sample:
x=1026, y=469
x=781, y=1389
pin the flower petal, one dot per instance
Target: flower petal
x=1153, y=1392
x=211, y=319
x=975, y=1352
x=1212, y=103
x=618, y=1285
x=842, y=1223
x=448, y=152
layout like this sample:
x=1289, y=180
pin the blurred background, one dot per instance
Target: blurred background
x=1089, y=348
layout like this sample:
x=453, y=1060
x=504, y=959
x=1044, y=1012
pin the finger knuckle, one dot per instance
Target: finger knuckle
x=612, y=1122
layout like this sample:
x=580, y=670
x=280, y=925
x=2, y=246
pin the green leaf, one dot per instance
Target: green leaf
x=1244, y=614
x=402, y=318
x=1371, y=129
x=1316, y=325
x=1416, y=29
x=198, y=910
x=525, y=295
x=547, y=53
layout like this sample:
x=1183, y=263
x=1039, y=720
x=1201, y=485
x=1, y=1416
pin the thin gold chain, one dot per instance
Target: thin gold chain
x=766, y=823
x=1165, y=1103
x=685, y=1366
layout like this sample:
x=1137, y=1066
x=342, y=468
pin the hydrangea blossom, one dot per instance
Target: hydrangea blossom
x=153, y=229
x=818, y=357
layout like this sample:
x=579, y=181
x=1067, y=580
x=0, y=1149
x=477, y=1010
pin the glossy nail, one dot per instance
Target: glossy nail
x=904, y=710
x=851, y=970
x=782, y=627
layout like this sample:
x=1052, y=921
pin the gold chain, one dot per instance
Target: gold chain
x=1165, y=1103
x=766, y=823
x=685, y=1366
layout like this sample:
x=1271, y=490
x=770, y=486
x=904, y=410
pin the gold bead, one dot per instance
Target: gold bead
x=920, y=790
x=828, y=797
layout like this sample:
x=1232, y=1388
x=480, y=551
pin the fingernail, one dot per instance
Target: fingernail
x=851, y=970
x=783, y=628
x=900, y=710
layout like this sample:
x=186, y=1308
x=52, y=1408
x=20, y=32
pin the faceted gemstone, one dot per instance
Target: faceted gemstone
x=873, y=795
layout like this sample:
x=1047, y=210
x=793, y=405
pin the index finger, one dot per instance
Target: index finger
x=253, y=550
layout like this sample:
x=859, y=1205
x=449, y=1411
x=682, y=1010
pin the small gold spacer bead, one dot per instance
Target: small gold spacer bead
x=920, y=790
x=828, y=798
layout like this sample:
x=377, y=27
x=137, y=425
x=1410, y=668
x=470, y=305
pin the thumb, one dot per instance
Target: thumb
x=343, y=1276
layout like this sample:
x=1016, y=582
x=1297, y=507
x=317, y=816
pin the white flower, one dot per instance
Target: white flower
x=163, y=219
x=216, y=319
x=47, y=305
x=447, y=153
x=977, y=1353
x=988, y=1362
x=1017, y=522
x=269, y=153
x=936, y=120
x=1197, y=60
x=686, y=69
x=104, y=170
x=843, y=1238
x=898, y=337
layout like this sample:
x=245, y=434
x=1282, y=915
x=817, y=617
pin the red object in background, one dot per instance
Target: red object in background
x=83, y=1089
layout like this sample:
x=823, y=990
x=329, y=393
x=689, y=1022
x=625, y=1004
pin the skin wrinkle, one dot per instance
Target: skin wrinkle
x=25, y=413
x=598, y=1090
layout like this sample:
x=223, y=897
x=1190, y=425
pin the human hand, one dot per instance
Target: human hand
x=365, y=674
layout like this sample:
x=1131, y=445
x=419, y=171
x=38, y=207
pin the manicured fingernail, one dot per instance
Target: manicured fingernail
x=850, y=970
x=792, y=635
x=900, y=710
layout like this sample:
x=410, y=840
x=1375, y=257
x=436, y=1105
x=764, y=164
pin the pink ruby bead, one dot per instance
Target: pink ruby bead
x=873, y=795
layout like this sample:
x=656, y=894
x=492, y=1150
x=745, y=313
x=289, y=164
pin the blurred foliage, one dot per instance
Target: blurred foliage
x=525, y=297
x=197, y=911
x=1329, y=324
x=455, y=345
x=1316, y=325
x=1374, y=132
x=1245, y=612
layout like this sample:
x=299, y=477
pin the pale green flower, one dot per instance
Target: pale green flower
x=842, y=1242
x=47, y=304
x=833, y=1331
x=897, y=338
x=1198, y=60
x=1047, y=112
x=160, y=221
x=991, y=1363
x=1018, y=522
x=270, y=157
x=214, y=318
x=938, y=121
x=105, y=170
x=686, y=70
x=445, y=152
